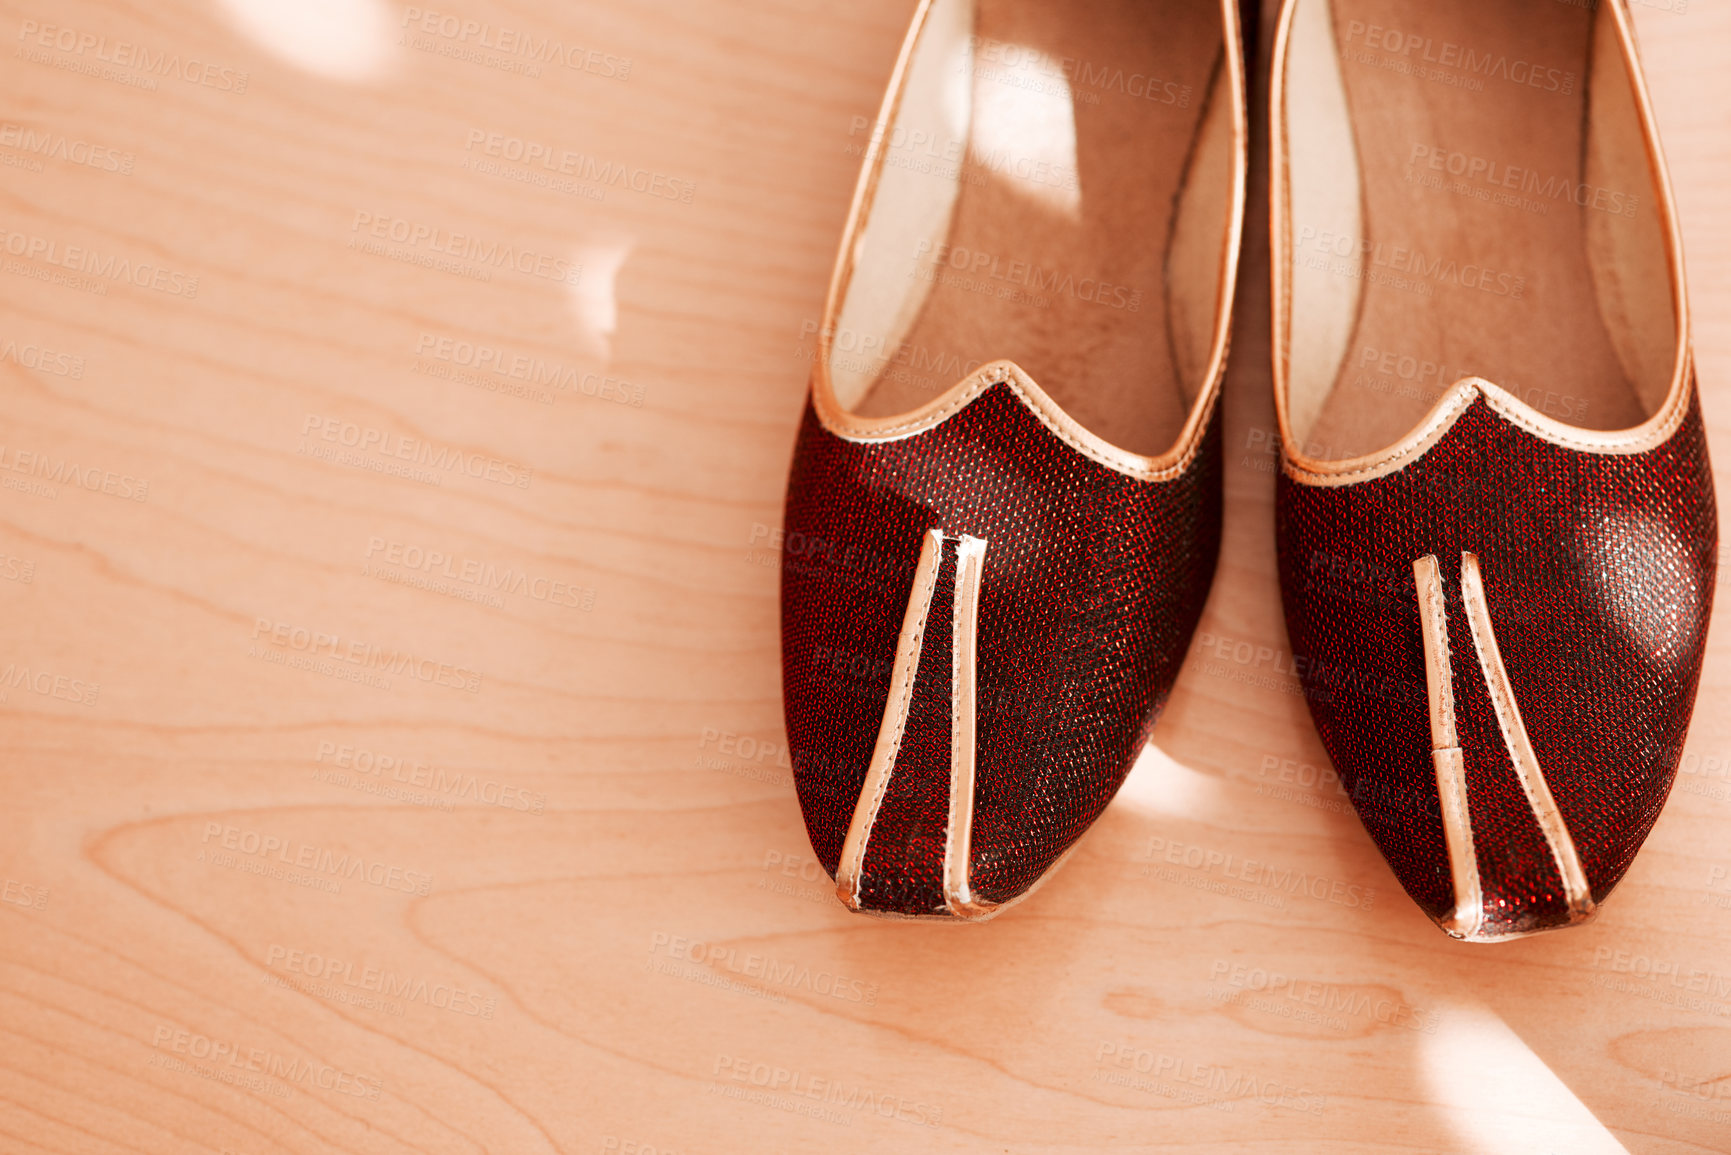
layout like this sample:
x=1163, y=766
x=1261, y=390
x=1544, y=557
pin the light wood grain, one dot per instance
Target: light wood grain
x=621, y=926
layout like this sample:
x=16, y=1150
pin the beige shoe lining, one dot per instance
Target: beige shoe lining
x=1470, y=193
x=1059, y=187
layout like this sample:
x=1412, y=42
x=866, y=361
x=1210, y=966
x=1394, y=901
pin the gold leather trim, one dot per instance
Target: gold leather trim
x=1038, y=402
x=958, y=841
x=1447, y=760
x=1315, y=471
x=1526, y=763
x=964, y=626
x=883, y=763
x=1449, y=409
x=851, y=427
x=990, y=912
x=1433, y=613
x=1467, y=919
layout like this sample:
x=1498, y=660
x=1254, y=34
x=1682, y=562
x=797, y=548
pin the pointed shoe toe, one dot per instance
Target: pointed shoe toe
x=979, y=625
x=1507, y=708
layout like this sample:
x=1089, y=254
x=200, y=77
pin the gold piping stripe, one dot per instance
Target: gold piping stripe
x=1468, y=916
x=1446, y=757
x=1433, y=612
x=1526, y=763
x=883, y=763
x=958, y=841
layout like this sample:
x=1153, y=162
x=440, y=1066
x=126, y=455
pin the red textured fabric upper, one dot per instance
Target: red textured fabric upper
x=1092, y=585
x=1598, y=572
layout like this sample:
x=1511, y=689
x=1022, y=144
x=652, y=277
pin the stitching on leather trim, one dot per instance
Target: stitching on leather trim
x=1446, y=416
x=1447, y=767
x=1506, y=723
x=1660, y=433
x=965, y=608
x=955, y=717
x=1164, y=474
x=1441, y=669
x=1497, y=703
x=1521, y=756
x=938, y=417
x=1460, y=812
x=916, y=644
x=1641, y=443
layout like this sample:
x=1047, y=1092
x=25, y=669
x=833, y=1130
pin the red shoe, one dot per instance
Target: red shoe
x=1499, y=592
x=987, y=589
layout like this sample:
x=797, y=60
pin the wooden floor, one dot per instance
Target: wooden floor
x=396, y=419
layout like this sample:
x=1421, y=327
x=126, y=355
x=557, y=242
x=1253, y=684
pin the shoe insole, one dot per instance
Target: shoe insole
x=1470, y=261
x=1056, y=251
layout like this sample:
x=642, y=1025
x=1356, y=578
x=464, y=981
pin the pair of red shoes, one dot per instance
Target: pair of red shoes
x=1495, y=516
